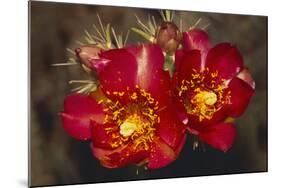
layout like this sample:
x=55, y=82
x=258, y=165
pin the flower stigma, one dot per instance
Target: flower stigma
x=129, y=126
x=206, y=98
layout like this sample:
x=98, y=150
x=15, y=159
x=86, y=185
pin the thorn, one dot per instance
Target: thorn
x=143, y=34
x=181, y=26
x=206, y=26
x=115, y=37
x=63, y=64
x=163, y=16
x=154, y=22
x=79, y=43
x=101, y=25
x=70, y=51
x=81, y=81
x=142, y=25
x=126, y=38
x=172, y=15
x=88, y=35
x=196, y=23
x=98, y=32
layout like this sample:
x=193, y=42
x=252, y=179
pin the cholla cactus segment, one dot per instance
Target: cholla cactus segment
x=71, y=60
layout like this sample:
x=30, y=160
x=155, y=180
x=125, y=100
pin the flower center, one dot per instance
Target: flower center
x=204, y=94
x=203, y=104
x=206, y=98
x=127, y=128
x=134, y=120
x=130, y=125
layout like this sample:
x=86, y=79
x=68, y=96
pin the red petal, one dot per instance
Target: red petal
x=246, y=76
x=99, y=64
x=120, y=157
x=119, y=72
x=180, y=110
x=81, y=105
x=218, y=116
x=170, y=129
x=78, y=111
x=241, y=93
x=197, y=39
x=102, y=155
x=128, y=156
x=161, y=154
x=149, y=59
x=179, y=54
x=150, y=75
x=181, y=145
x=78, y=128
x=102, y=137
x=226, y=59
x=220, y=136
x=190, y=61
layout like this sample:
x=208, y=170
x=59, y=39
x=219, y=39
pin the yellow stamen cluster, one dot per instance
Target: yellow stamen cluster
x=136, y=120
x=204, y=94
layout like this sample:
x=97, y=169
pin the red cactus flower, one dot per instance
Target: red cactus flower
x=130, y=118
x=213, y=84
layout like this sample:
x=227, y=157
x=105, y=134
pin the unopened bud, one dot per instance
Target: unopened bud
x=86, y=53
x=168, y=37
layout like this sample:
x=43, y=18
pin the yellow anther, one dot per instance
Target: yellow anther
x=194, y=76
x=214, y=74
x=134, y=96
x=150, y=100
x=180, y=93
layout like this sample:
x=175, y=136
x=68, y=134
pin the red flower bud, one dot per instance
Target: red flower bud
x=86, y=53
x=168, y=37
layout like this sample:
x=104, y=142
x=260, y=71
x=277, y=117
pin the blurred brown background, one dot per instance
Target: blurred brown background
x=56, y=158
